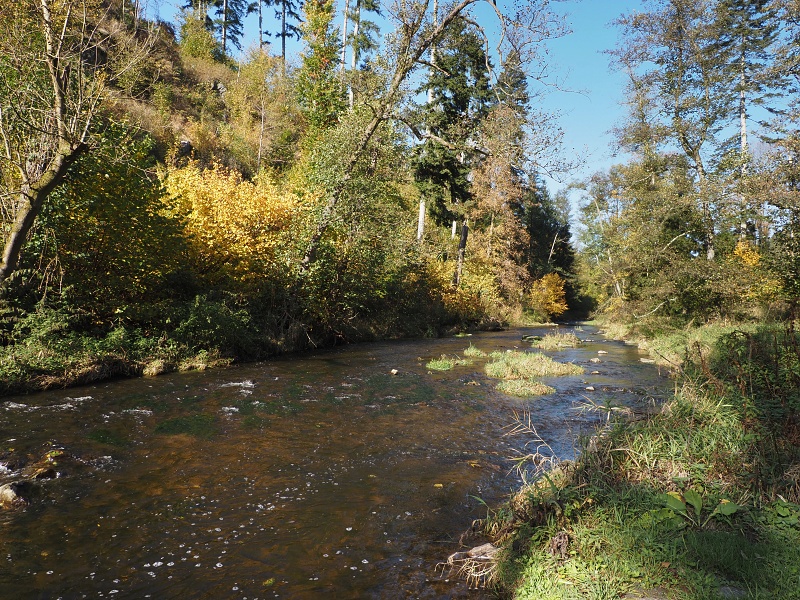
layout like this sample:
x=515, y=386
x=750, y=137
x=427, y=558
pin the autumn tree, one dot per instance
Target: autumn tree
x=53, y=77
x=416, y=32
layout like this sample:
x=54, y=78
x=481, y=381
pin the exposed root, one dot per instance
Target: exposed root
x=477, y=566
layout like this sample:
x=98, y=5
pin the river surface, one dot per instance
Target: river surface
x=304, y=477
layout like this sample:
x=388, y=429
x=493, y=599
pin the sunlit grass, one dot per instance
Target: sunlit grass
x=524, y=388
x=556, y=341
x=474, y=352
x=527, y=365
x=445, y=363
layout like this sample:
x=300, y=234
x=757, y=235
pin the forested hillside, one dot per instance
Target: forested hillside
x=169, y=201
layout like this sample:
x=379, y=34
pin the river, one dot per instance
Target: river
x=324, y=474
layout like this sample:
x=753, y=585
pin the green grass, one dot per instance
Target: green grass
x=524, y=388
x=445, y=363
x=556, y=341
x=718, y=442
x=527, y=365
x=473, y=352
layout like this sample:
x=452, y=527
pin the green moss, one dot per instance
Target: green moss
x=107, y=436
x=200, y=425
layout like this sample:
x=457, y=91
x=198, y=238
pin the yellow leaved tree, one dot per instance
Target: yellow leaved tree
x=547, y=297
x=236, y=229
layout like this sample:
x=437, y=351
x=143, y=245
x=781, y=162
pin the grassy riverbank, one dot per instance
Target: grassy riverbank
x=697, y=501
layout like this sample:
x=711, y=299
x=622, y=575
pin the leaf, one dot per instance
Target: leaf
x=726, y=507
x=673, y=501
x=693, y=498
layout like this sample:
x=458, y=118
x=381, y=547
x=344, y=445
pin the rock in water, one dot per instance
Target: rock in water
x=17, y=493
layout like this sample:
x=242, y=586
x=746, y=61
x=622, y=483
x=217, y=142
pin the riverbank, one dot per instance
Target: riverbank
x=697, y=501
x=54, y=355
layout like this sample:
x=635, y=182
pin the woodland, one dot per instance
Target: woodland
x=175, y=196
x=165, y=205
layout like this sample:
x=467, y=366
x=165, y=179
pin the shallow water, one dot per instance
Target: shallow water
x=322, y=474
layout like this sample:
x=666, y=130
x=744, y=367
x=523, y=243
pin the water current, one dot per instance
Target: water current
x=320, y=475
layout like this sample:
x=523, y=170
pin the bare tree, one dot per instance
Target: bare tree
x=54, y=70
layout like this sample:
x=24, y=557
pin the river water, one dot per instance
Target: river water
x=316, y=475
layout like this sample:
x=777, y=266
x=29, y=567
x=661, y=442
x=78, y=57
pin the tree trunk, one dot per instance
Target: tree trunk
x=283, y=34
x=421, y=219
x=224, y=27
x=743, y=143
x=462, y=247
x=354, y=59
x=260, y=24
x=344, y=36
x=31, y=200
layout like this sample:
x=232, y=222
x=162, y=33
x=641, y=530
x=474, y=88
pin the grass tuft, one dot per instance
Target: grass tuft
x=473, y=352
x=524, y=388
x=556, y=341
x=527, y=365
x=445, y=363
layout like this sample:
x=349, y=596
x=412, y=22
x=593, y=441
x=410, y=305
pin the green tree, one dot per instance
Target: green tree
x=673, y=50
x=461, y=96
x=318, y=87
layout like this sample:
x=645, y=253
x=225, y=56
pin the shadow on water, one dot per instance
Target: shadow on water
x=310, y=475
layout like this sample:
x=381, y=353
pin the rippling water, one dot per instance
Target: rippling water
x=314, y=475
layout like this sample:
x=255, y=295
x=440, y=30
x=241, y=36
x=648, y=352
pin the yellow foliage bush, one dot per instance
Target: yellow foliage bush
x=235, y=227
x=755, y=283
x=547, y=296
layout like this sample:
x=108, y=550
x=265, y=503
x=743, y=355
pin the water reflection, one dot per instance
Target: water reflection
x=294, y=478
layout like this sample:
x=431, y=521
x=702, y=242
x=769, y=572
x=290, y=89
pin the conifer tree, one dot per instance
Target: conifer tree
x=748, y=29
x=318, y=87
x=286, y=11
x=461, y=96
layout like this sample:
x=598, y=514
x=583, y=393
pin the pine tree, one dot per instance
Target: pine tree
x=460, y=97
x=318, y=87
x=748, y=29
x=284, y=11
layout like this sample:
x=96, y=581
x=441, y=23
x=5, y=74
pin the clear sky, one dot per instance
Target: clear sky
x=590, y=115
x=589, y=112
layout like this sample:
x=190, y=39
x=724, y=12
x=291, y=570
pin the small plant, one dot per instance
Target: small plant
x=473, y=352
x=680, y=504
x=445, y=363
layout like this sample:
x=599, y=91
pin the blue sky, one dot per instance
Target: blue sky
x=589, y=112
x=590, y=115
